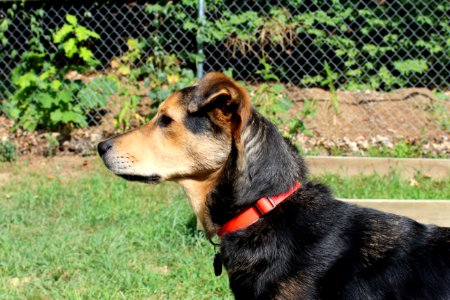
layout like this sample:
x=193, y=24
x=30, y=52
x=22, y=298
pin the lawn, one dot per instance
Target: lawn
x=71, y=230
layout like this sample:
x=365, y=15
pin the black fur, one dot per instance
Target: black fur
x=313, y=246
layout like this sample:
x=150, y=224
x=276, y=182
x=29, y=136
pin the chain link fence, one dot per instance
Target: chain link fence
x=354, y=69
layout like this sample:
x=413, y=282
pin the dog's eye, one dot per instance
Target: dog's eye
x=164, y=121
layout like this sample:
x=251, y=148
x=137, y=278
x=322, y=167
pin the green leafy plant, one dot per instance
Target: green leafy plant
x=125, y=64
x=298, y=124
x=329, y=81
x=128, y=111
x=5, y=21
x=8, y=151
x=272, y=100
x=267, y=72
x=166, y=76
x=73, y=40
x=44, y=97
x=160, y=72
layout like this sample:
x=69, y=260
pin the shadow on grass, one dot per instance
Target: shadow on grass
x=191, y=226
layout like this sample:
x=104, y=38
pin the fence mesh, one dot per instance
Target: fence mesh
x=368, y=68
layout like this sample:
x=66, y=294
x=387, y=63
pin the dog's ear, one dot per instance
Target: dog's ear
x=226, y=102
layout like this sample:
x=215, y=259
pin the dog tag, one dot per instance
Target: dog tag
x=217, y=264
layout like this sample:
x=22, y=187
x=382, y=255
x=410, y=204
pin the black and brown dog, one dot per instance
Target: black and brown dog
x=307, y=245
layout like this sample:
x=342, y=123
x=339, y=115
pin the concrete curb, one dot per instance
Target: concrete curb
x=405, y=167
x=424, y=211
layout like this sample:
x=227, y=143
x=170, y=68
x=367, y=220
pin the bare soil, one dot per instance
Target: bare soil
x=401, y=114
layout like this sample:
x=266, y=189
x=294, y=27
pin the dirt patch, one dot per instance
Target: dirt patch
x=62, y=167
x=4, y=177
x=402, y=114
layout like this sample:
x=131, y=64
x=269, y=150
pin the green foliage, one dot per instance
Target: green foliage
x=44, y=97
x=298, y=125
x=357, y=42
x=5, y=21
x=329, y=81
x=408, y=66
x=97, y=91
x=161, y=73
x=271, y=99
x=401, y=149
x=125, y=64
x=440, y=111
x=128, y=111
x=267, y=72
x=73, y=39
x=166, y=79
x=8, y=151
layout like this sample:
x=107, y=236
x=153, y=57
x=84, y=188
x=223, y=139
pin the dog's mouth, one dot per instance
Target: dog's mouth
x=145, y=179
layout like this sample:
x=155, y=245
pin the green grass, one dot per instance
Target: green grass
x=387, y=187
x=85, y=234
x=400, y=149
x=99, y=237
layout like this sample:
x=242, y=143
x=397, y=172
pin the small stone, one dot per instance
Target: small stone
x=353, y=147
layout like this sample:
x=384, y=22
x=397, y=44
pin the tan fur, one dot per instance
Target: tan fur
x=197, y=191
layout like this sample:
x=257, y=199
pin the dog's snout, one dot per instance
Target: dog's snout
x=103, y=147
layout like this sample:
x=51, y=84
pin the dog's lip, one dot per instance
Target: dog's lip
x=145, y=179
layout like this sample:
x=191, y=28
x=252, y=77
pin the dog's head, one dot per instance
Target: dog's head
x=188, y=140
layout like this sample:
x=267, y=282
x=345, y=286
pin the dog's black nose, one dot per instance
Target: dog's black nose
x=103, y=147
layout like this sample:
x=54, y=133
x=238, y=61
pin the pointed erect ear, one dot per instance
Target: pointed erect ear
x=224, y=100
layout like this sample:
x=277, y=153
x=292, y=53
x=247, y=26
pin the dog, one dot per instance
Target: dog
x=281, y=235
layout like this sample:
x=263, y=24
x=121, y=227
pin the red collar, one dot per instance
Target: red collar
x=253, y=213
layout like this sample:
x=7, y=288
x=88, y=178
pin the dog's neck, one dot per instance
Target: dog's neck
x=260, y=164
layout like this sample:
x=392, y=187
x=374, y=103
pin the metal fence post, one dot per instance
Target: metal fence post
x=201, y=17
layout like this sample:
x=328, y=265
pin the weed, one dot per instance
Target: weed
x=128, y=111
x=401, y=149
x=272, y=100
x=266, y=72
x=439, y=110
x=8, y=151
x=52, y=145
